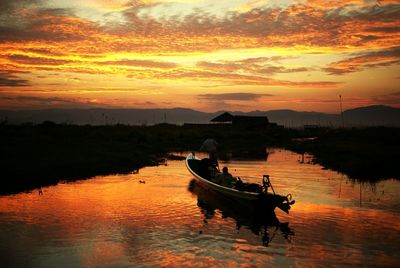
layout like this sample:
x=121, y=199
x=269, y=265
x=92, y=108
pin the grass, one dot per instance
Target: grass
x=38, y=155
x=367, y=154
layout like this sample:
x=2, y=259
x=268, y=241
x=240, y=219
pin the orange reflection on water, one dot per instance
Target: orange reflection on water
x=345, y=231
x=118, y=221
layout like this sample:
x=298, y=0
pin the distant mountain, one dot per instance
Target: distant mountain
x=290, y=118
x=107, y=116
x=378, y=115
x=296, y=119
x=363, y=116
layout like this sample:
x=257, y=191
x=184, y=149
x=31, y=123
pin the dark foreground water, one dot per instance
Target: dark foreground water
x=116, y=221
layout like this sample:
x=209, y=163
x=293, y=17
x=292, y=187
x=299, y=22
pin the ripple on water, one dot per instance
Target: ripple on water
x=117, y=221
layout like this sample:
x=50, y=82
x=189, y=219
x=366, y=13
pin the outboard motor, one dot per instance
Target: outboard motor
x=266, y=183
x=283, y=202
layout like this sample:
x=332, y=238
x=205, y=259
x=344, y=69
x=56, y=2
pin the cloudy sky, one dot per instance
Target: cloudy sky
x=206, y=55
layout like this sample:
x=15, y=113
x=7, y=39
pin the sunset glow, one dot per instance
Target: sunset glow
x=205, y=55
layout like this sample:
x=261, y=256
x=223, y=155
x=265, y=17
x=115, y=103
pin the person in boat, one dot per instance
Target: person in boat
x=239, y=185
x=210, y=146
x=209, y=168
x=209, y=165
x=226, y=179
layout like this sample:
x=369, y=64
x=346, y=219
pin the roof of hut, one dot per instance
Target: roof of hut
x=225, y=117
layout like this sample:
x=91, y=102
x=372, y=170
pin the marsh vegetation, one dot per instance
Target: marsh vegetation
x=38, y=155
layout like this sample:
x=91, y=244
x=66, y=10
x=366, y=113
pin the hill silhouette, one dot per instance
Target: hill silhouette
x=378, y=115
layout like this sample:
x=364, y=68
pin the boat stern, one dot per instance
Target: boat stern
x=285, y=203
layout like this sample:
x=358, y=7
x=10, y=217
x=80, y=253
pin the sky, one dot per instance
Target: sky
x=205, y=55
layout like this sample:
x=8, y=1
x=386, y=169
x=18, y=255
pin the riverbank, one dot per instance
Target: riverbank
x=33, y=156
x=38, y=155
x=365, y=154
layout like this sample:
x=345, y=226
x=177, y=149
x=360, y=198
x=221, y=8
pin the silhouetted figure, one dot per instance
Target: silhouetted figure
x=226, y=179
x=208, y=168
x=40, y=191
x=248, y=214
x=209, y=146
x=239, y=184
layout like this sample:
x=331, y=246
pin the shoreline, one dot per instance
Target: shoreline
x=35, y=156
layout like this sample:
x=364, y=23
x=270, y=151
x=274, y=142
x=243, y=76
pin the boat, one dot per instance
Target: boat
x=256, y=220
x=260, y=196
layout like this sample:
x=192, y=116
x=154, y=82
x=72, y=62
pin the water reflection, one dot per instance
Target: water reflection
x=246, y=214
x=116, y=221
x=260, y=153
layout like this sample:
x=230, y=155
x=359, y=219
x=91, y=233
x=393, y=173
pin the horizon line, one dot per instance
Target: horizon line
x=186, y=108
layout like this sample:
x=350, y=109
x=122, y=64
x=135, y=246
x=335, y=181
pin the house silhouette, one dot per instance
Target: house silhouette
x=241, y=120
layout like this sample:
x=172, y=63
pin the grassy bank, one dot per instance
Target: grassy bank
x=39, y=155
x=364, y=154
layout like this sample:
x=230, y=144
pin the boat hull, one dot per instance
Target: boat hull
x=265, y=200
x=207, y=184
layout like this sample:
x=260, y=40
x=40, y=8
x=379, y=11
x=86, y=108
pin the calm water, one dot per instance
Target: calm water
x=117, y=221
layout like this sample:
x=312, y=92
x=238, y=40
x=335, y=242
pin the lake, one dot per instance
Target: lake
x=155, y=218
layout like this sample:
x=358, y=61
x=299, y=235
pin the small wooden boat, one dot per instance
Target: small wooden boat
x=255, y=219
x=259, y=197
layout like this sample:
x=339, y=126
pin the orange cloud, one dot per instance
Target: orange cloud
x=150, y=48
x=308, y=24
x=365, y=60
x=254, y=65
x=141, y=63
x=241, y=79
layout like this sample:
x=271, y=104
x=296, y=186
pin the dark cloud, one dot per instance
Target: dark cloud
x=280, y=69
x=43, y=51
x=8, y=79
x=297, y=24
x=34, y=102
x=218, y=66
x=38, y=99
x=233, y=96
x=307, y=24
x=7, y=6
x=36, y=23
x=266, y=59
x=36, y=60
x=384, y=29
x=389, y=99
x=386, y=12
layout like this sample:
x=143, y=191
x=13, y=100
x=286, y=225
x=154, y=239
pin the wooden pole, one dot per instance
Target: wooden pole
x=341, y=110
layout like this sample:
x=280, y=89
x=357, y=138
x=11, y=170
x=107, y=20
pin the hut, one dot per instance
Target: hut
x=241, y=120
x=257, y=121
x=223, y=118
